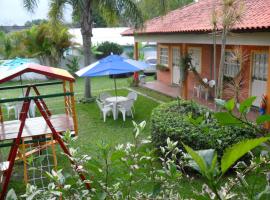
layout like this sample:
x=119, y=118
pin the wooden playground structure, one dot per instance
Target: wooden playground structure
x=29, y=136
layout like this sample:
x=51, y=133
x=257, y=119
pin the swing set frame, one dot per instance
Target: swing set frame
x=49, y=124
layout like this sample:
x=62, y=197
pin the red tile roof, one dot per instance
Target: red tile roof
x=196, y=17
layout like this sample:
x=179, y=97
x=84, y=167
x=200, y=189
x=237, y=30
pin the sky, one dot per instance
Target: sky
x=12, y=12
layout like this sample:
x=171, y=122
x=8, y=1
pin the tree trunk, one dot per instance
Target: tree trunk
x=215, y=58
x=86, y=31
x=221, y=65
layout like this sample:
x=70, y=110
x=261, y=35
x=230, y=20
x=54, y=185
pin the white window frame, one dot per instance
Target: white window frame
x=176, y=56
x=196, y=59
x=261, y=59
x=231, y=65
x=164, y=58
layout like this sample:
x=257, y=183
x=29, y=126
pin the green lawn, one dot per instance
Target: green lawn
x=93, y=130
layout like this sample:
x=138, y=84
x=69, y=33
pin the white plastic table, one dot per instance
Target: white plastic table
x=115, y=100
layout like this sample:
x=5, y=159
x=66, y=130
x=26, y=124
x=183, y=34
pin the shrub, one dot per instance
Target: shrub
x=73, y=65
x=195, y=126
x=107, y=48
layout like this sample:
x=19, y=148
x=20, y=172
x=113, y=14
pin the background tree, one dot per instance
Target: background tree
x=35, y=22
x=154, y=8
x=106, y=48
x=5, y=46
x=112, y=11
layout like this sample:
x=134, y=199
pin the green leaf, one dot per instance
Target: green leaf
x=102, y=196
x=198, y=159
x=11, y=195
x=156, y=189
x=245, y=105
x=262, y=119
x=225, y=118
x=229, y=105
x=234, y=153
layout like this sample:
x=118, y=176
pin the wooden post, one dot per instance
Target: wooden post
x=23, y=152
x=268, y=90
x=65, y=97
x=136, y=57
x=1, y=115
x=74, y=114
x=184, y=89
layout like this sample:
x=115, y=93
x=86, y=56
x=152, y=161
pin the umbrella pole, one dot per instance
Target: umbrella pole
x=115, y=88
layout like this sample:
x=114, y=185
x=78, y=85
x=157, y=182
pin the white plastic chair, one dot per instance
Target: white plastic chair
x=132, y=96
x=126, y=107
x=9, y=107
x=103, y=96
x=32, y=109
x=104, y=108
x=18, y=109
x=212, y=83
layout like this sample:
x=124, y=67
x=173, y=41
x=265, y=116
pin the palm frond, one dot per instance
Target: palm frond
x=30, y=5
x=126, y=10
x=56, y=10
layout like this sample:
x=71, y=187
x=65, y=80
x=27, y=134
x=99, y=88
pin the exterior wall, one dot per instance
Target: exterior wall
x=251, y=38
x=207, y=65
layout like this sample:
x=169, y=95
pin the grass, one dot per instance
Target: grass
x=93, y=130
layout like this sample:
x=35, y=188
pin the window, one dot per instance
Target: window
x=176, y=56
x=232, y=64
x=164, y=56
x=260, y=65
x=196, y=55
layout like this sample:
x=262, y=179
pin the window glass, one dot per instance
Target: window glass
x=164, y=57
x=232, y=65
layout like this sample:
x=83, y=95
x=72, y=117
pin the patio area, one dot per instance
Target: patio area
x=174, y=91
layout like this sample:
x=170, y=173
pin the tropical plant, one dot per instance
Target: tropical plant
x=83, y=13
x=73, y=65
x=47, y=42
x=231, y=13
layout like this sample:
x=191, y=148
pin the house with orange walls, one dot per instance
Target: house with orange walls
x=189, y=30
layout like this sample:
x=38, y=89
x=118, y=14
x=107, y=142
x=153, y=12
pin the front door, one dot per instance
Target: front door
x=176, y=65
x=259, y=75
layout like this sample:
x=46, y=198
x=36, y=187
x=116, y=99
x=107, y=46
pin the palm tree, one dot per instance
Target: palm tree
x=111, y=10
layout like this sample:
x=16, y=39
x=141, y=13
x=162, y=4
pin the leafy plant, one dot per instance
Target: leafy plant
x=162, y=67
x=73, y=65
x=107, y=48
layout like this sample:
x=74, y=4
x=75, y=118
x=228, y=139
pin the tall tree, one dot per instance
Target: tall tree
x=231, y=13
x=111, y=10
x=155, y=8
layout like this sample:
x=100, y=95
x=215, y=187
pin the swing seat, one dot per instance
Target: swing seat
x=35, y=127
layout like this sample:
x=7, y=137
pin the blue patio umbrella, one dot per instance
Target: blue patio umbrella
x=112, y=65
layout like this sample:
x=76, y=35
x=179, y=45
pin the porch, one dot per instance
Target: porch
x=174, y=92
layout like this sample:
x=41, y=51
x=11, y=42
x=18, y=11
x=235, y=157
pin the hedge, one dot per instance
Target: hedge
x=173, y=120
